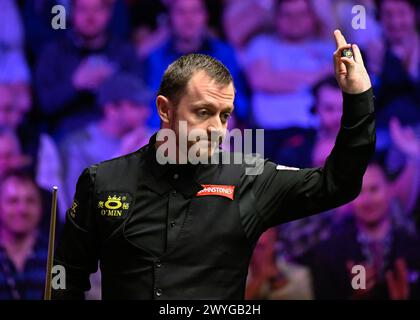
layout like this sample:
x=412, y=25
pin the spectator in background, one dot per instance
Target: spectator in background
x=149, y=22
x=14, y=71
x=23, y=247
x=389, y=254
x=272, y=279
x=13, y=66
x=298, y=237
x=125, y=104
x=189, y=33
x=244, y=19
x=36, y=147
x=37, y=19
x=282, y=67
x=70, y=70
x=295, y=146
x=341, y=14
x=395, y=63
x=13, y=159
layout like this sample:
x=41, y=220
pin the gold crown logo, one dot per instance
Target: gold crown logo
x=114, y=198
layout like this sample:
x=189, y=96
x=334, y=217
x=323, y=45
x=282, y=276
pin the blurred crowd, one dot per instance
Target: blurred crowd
x=79, y=95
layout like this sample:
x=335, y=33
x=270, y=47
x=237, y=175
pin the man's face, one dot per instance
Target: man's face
x=372, y=205
x=329, y=107
x=398, y=19
x=295, y=20
x=205, y=106
x=188, y=19
x=91, y=17
x=20, y=207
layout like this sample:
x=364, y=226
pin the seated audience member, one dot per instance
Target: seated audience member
x=189, y=33
x=298, y=237
x=294, y=146
x=282, y=67
x=121, y=129
x=13, y=159
x=149, y=22
x=244, y=19
x=23, y=247
x=13, y=66
x=272, y=279
x=39, y=149
x=357, y=19
x=397, y=160
x=395, y=63
x=70, y=69
x=37, y=22
x=371, y=239
x=407, y=184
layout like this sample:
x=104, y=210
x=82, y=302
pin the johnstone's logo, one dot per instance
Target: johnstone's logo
x=216, y=190
x=114, y=206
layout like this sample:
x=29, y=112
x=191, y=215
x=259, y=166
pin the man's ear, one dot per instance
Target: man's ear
x=164, y=108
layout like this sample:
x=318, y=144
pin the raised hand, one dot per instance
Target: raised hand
x=351, y=73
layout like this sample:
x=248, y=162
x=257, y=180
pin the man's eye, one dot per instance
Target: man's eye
x=226, y=116
x=202, y=113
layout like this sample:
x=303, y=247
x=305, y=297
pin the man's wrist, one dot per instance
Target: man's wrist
x=356, y=106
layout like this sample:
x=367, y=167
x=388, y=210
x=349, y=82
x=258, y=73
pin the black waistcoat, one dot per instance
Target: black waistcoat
x=209, y=258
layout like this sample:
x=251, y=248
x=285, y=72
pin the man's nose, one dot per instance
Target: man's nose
x=214, y=130
x=215, y=124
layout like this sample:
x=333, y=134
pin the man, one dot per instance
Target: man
x=371, y=238
x=189, y=33
x=188, y=230
x=395, y=62
x=23, y=248
x=70, y=70
x=31, y=148
x=296, y=146
x=13, y=65
x=298, y=237
x=282, y=67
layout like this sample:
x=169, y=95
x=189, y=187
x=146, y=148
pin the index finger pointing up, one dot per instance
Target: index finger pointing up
x=339, y=38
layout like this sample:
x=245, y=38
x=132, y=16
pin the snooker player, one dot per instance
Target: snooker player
x=187, y=231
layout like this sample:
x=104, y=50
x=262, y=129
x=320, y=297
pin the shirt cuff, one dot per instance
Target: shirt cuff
x=356, y=106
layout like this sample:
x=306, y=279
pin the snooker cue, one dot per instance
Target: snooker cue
x=50, y=260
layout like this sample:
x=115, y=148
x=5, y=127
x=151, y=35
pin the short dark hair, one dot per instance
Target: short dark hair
x=180, y=71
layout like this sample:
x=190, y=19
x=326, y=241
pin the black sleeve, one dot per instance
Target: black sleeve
x=284, y=194
x=77, y=249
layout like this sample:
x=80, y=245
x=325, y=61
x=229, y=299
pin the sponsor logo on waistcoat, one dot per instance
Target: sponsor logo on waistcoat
x=216, y=190
x=114, y=206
